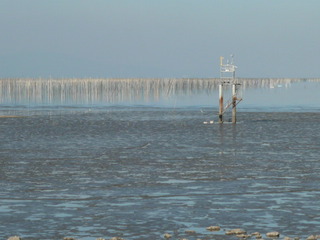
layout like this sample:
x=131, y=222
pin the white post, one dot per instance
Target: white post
x=234, y=103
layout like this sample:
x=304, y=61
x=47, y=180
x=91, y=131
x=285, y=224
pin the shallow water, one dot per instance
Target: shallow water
x=143, y=171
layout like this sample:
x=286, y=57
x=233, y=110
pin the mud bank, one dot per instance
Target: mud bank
x=214, y=232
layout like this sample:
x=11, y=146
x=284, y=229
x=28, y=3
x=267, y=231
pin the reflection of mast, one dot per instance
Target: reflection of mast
x=228, y=77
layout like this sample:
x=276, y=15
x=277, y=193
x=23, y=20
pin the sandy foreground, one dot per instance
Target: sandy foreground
x=237, y=233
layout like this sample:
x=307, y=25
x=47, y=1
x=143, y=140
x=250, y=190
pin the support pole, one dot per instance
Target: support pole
x=234, y=103
x=221, y=103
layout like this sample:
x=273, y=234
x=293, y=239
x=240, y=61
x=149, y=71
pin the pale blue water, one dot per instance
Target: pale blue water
x=139, y=171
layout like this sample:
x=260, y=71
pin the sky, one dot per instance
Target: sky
x=158, y=38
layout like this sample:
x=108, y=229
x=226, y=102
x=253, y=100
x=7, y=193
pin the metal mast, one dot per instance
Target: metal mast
x=227, y=78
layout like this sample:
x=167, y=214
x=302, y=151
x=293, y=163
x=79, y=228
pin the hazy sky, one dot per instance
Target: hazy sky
x=158, y=38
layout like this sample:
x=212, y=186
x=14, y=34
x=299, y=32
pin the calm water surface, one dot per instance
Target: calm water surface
x=140, y=172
